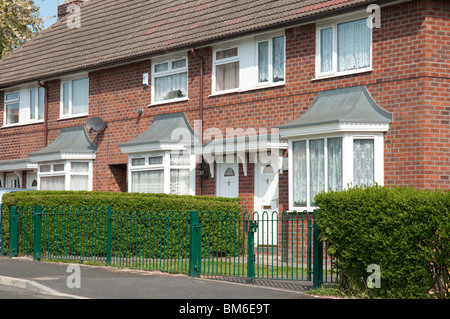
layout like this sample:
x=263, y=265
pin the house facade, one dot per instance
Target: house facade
x=269, y=101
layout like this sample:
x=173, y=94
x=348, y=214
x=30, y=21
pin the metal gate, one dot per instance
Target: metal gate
x=295, y=252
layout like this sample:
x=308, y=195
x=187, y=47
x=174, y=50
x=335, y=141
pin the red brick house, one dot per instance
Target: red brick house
x=271, y=101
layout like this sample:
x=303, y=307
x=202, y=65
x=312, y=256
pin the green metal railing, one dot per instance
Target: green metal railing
x=267, y=245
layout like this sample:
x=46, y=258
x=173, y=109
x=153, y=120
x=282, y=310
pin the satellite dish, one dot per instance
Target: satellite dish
x=95, y=124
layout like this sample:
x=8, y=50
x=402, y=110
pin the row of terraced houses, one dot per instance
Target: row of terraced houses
x=269, y=101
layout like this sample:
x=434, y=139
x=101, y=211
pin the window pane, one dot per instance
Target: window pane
x=278, y=59
x=227, y=76
x=80, y=96
x=263, y=61
x=354, y=39
x=41, y=102
x=363, y=162
x=161, y=67
x=44, y=168
x=137, y=161
x=66, y=97
x=52, y=183
x=317, y=168
x=148, y=181
x=12, y=113
x=171, y=87
x=58, y=167
x=156, y=160
x=179, y=64
x=179, y=181
x=79, y=167
x=33, y=104
x=12, y=96
x=228, y=53
x=79, y=182
x=299, y=173
x=326, y=50
x=179, y=159
x=334, y=147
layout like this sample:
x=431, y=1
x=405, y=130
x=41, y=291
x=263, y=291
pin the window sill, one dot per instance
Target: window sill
x=70, y=117
x=6, y=126
x=169, y=101
x=258, y=87
x=335, y=75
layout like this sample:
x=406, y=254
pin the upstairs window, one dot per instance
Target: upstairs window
x=249, y=63
x=343, y=48
x=169, y=78
x=227, y=69
x=12, y=105
x=37, y=100
x=271, y=57
x=75, y=97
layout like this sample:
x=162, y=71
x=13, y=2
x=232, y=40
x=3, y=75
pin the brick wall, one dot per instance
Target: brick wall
x=410, y=78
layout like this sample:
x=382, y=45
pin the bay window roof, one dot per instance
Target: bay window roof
x=167, y=131
x=341, y=109
x=72, y=143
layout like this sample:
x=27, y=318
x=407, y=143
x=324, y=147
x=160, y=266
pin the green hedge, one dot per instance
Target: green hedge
x=403, y=230
x=138, y=219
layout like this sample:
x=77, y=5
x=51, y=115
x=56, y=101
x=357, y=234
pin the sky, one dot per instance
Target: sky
x=48, y=9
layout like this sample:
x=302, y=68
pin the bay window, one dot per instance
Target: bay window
x=167, y=172
x=333, y=163
x=65, y=175
x=169, y=78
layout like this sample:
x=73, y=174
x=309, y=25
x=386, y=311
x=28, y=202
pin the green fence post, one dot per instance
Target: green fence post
x=108, y=236
x=13, y=231
x=37, y=220
x=308, y=249
x=317, y=255
x=194, y=244
x=252, y=227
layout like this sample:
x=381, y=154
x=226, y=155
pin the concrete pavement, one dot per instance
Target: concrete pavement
x=59, y=280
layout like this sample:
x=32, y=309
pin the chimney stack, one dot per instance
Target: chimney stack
x=62, y=9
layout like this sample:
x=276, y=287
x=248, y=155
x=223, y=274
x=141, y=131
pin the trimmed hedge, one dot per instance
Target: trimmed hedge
x=403, y=230
x=131, y=226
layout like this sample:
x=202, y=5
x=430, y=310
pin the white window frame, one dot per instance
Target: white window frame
x=333, y=23
x=347, y=162
x=224, y=61
x=37, y=91
x=24, y=101
x=269, y=39
x=170, y=71
x=166, y=166
x=10, y=102
x=247, y=57
x=69, y=80
x=66, y=172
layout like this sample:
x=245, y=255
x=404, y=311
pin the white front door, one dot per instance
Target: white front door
x=31, y=180
x=266, y=202
x=228, y=180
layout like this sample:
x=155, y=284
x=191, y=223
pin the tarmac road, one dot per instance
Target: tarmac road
x=58, y=280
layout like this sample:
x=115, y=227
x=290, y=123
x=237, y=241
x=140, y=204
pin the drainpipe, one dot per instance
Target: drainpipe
x=200, y=103
x=45, y=112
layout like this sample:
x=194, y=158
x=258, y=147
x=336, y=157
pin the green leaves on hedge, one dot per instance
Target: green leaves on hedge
x=403, y=230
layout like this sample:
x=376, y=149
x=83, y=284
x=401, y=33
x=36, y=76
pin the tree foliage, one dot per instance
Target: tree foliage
x=19, y=21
